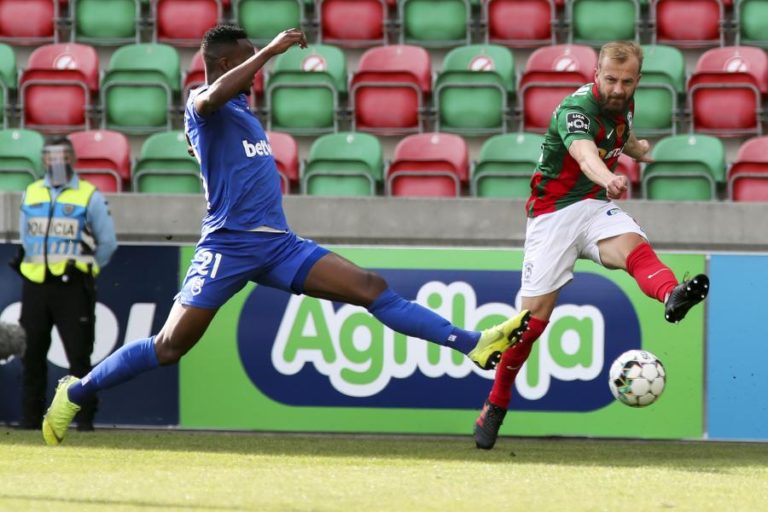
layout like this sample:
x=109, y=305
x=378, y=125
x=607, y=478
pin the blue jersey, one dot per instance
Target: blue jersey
x=241, y=181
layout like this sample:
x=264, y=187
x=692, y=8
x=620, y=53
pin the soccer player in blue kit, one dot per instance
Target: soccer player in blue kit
x=245, y=237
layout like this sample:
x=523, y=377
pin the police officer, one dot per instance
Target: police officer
x=67, y=236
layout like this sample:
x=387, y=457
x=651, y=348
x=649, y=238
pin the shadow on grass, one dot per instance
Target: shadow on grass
x=110, y=503
x=711, y=457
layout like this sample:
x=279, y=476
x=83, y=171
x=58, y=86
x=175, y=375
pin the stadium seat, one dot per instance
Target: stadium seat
x=184, y=22
x=428, y=165
x=138, y=89
x=28, y=22
x=688, y=23
x=685, y=168
x=552, y=73
x=262, y=20
x=748, y=176
x=473, y=90
x=103, y=158
x=21, y=160
x=195, y=77
x=726, y=89
x=353, y=23
x=285, y=151
x=656, y=98
x=390, y=90
x=106, y=22
x=343, y=164
x=596, y=22
x=506, y=164
x=628, y=167
x=55, y=90
x=304, y=89
x=434, y=23
x=751, y=23
x=8, y=79
x=538, y=30
x=165, y=167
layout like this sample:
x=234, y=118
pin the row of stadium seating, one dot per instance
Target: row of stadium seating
x=431, y=23
x=685, y=167
x=392, y=91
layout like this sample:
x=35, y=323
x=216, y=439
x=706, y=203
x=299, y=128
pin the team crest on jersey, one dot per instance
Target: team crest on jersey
x=620, y=130
x=577, y=122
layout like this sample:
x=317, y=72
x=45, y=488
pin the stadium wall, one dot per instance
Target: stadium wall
x=275, y=362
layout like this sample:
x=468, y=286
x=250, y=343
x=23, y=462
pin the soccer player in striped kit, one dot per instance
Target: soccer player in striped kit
x=571, y=216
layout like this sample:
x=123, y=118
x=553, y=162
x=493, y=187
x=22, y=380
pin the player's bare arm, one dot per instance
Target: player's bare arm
x=585, y=152
x=640, y=150
x=239, y=76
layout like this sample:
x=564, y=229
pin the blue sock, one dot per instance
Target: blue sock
x=122, y=365
x=417, y=321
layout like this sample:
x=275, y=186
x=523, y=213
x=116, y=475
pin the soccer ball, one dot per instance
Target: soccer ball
x=637, y=378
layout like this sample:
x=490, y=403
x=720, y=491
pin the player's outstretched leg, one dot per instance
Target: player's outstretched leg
x=495, y=341
x=684, y=296
x=61, y=412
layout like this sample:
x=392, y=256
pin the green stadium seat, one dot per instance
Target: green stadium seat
x=656, y=98
x=262, y=20
x=106, y=22
x=343, y=164
x=165, y=167
x=139, y=87
x=8, y=80
x=21, y=160
x=304, y=88
x=506, y=164
x=434, y=23
x=472, y=91
x=685, y=168
x=751, y=23
x=596, y=22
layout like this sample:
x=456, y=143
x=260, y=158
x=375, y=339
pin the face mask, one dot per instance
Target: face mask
x=58, y=170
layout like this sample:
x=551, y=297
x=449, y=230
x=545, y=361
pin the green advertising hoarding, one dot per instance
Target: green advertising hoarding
x=275, y=362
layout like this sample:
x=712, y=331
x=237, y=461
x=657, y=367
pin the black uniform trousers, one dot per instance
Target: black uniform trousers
x=69, y=303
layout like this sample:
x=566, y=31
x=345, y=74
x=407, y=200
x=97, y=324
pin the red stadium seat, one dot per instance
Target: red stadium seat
x=286, y=154
x=748, y=176
x=183, y=22
x=103, y=158
x=353, y=23
x=688, y=23
x=629, y=167
x=28, y=22
x=551, y=74
x=429, y=165
x=538, y=29
x=726, y=90
x=390, y=88
x=195, y=77
x=56, y=88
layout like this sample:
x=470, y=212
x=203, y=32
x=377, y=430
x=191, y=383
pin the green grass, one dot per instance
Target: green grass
x=169, y=470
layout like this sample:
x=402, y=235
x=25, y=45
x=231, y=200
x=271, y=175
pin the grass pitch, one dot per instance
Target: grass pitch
x=168, y=470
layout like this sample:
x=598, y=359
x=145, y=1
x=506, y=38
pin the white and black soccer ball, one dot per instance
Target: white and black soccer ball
x=637, y=378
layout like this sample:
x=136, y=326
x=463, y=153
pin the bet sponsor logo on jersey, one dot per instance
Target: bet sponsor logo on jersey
x=260, y=148
x=577, y=122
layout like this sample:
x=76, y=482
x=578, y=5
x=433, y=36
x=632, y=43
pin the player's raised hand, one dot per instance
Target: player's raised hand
x=285, y=40
x=617, y=186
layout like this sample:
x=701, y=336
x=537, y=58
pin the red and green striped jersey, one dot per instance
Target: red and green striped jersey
x=557, y=180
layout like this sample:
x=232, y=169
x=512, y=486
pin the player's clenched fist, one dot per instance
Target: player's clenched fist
x=285, y=40
x=617, y=186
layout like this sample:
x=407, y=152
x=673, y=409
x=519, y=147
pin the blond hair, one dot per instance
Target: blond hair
x=620, y=51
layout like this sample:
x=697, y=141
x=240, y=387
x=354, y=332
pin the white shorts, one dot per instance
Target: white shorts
x=554, y=241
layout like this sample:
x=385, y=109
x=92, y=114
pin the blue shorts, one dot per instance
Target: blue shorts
x=226, y=260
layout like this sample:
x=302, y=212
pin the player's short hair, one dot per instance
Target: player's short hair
x=218, y=38
x=60, y=140
x=620, y=51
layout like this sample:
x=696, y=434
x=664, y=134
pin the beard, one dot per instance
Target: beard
x=613, y=104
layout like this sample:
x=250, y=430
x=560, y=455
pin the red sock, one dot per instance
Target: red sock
x=656, y=279
x=512, y=361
